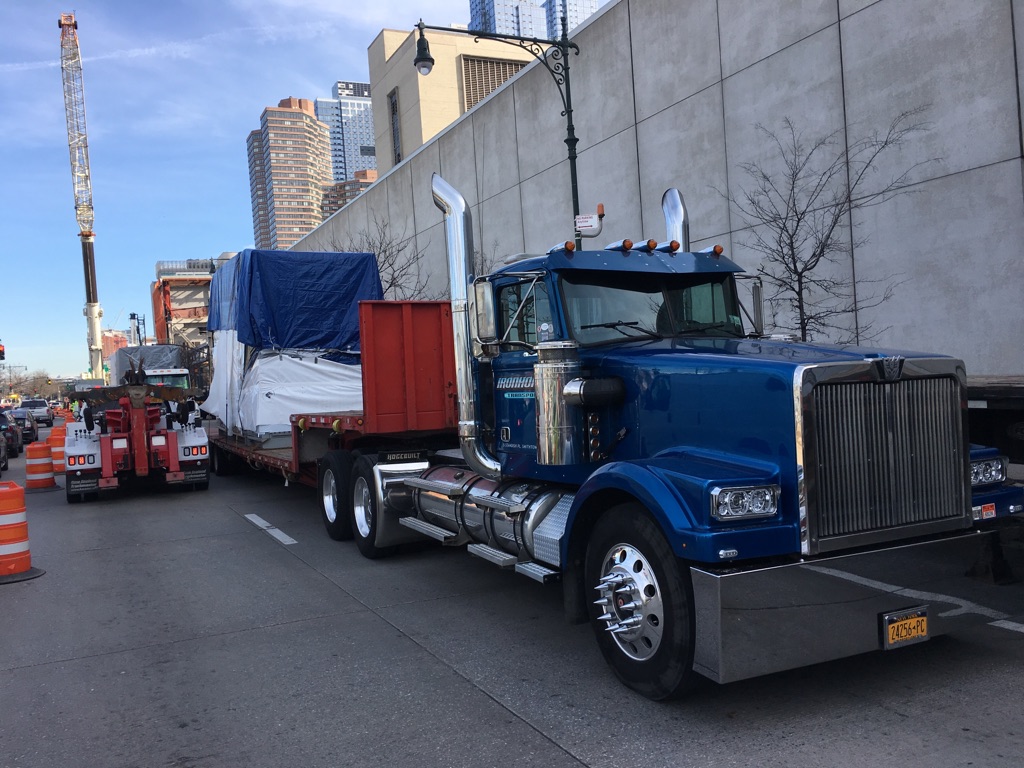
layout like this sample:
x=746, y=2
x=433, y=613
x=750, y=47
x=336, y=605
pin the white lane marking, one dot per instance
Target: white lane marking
x=263, y=525
x=281, y=536
x=965, y=606
x=1008, y=625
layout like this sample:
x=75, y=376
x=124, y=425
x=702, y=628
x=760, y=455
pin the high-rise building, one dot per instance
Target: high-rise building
x=524, y=18
x=349, y=116
x=258, y=190
x=575, y=12
x=529, y=18
x=289, y=166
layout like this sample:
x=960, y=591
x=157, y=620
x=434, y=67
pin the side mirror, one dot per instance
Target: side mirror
x=483, y=313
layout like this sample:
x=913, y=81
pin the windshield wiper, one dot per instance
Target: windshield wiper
x=618, y=325
x=701, y=327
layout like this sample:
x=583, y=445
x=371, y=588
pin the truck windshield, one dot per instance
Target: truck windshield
x=169, y=379
x=607, y=307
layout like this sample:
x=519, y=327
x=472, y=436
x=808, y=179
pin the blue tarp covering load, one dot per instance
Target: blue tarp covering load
x=294, y=299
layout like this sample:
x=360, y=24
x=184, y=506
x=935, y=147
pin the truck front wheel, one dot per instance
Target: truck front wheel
x=365, y=512
x=335, y=475
x=641, y=607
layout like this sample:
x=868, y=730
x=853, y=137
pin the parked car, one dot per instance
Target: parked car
x=27, y=422
x=12, y=434
x=3, y=456
x=39, y=409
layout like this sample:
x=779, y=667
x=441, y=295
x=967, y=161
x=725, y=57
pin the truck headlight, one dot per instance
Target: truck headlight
x=988, y=471
x=744, y=503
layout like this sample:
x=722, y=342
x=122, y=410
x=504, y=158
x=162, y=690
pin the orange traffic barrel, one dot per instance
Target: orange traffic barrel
x=15, y=558
x=56, y=443
x=39, y=467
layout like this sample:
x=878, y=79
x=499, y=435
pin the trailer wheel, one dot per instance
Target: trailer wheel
x=365, y=514
x=643, y=614
x=334, y=481
x=221, y=462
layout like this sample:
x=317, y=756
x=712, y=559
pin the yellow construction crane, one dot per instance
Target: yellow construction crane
x=74, y=107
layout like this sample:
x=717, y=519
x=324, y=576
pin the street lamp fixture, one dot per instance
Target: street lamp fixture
x=554, y=55
x=424, y=62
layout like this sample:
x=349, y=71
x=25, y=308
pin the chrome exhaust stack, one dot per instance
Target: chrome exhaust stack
x=458, y=232
x=677, y=222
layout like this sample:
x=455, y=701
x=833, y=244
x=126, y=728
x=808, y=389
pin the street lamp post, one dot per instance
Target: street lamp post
x=554, y=57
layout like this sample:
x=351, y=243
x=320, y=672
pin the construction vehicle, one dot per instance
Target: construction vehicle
x=131, y=434
x=78, y=144
x=713, y=502
x=162, y=364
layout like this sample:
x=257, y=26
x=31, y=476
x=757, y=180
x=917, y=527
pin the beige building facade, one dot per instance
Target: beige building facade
x=409, y=109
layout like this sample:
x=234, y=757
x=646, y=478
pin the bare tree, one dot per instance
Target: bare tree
x=797, y=218
x=400, y=264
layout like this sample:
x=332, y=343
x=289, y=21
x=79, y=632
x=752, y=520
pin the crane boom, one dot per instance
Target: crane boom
x=78, y=144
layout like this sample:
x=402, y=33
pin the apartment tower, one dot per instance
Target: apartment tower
x=289, y=166
x=529, y=18
x=349, y=116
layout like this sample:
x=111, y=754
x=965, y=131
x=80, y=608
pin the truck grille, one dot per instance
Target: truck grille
x=885, y=455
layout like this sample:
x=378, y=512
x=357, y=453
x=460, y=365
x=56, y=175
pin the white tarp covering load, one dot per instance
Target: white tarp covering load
x=282, y=382
x=228, y=364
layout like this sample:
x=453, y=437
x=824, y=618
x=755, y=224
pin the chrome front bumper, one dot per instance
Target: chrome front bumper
x=758, y=621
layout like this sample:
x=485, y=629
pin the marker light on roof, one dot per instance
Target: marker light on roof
x=621, y=245
x=568, y=245
x=670, y=247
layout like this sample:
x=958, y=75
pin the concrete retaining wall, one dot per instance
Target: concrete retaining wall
x=668, y=93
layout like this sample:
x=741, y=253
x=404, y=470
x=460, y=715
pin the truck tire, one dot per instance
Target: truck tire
x=221, y=462
x=643, y=619
x=364, y=510
x=334, y=478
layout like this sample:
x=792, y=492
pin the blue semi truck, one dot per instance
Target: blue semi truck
x=713, y=502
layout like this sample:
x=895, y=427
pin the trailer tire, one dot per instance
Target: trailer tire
x=652, y=652
x=365, y=512
x=221, y=462
x=334, y=478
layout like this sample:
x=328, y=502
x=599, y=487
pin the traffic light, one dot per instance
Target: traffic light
x=49, y=381
x=3, y=354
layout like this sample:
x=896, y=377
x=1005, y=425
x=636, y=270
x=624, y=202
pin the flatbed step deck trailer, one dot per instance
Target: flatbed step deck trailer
x=408, y=378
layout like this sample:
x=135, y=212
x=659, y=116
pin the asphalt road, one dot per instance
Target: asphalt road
x=170, y=630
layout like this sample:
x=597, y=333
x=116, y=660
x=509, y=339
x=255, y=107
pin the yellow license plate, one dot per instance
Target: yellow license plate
x=904, y=627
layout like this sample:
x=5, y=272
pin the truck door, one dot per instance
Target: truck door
x=524, y=318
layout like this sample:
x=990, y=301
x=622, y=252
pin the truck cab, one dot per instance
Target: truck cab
x=710, y=498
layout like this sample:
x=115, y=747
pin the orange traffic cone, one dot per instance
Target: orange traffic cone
x=39, y=467
x=15, y=558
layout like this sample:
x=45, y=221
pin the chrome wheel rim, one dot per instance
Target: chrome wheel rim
x=630, y=596
x=329, y=489
x=362, y=511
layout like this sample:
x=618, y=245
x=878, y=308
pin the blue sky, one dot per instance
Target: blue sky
x=172, y=89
